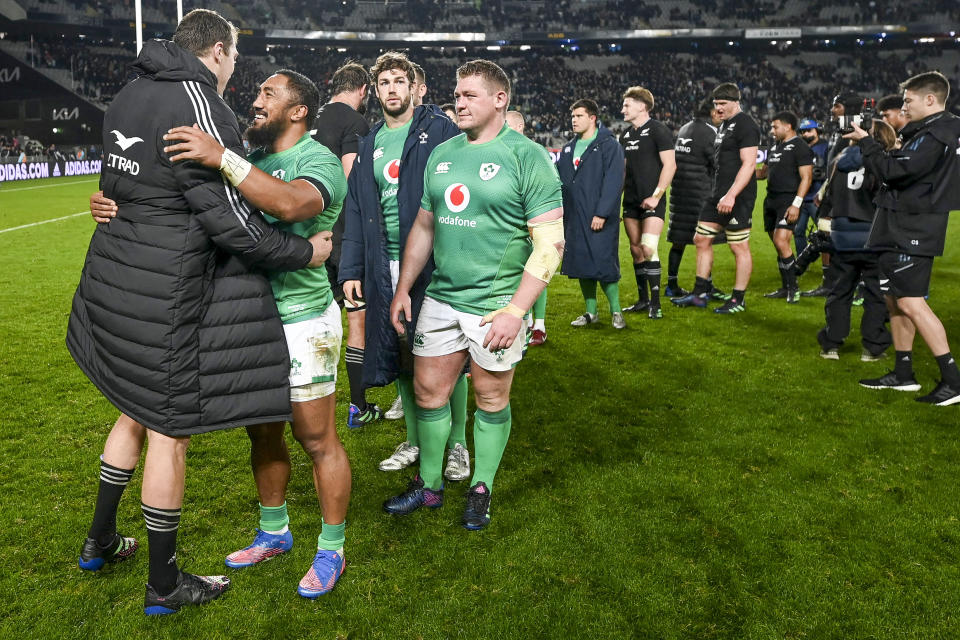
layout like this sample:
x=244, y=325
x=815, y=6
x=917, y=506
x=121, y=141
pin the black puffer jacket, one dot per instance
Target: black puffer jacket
x=692, y=183
x=170, y=320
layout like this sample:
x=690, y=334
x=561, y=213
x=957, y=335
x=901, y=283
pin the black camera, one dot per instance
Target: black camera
x=867, y=113
x=817, y=242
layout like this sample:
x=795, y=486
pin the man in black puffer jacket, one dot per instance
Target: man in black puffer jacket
x=170, y=320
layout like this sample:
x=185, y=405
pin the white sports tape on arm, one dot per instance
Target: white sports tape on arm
x=545, y=258
x=234, y=167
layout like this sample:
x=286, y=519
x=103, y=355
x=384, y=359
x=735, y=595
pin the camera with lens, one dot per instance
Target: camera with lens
x=867, y=113
x=817, y=242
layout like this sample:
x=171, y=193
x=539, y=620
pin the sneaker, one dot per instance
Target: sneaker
x=731, y=306
x=265, y=546
x=326, y=569
x=458, y=464
x=93, y=556
x=637, y=307
x=675, y=292
x=190, y=589
x=829, y=354
x=655, y=313
x=413, y=498
x=819, y=292
x=779, y=293
x=477, y=514
x=537, y=338
x=401, y=458
x=395, y=412
x=943, y=395
x=698, y=300
x=793, y=296
x=357, y=418
x=866, y=356
x=584, y=320
x=718, y=295
x=616, y=319
x=890, y=381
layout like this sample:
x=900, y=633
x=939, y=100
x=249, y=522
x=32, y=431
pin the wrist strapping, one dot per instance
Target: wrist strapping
x=823, y=224
x=234, y=167
x=798, y=202
x=511, y=309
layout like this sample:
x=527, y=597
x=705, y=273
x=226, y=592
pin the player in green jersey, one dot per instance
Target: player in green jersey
x=491, y=217
x=300, y=185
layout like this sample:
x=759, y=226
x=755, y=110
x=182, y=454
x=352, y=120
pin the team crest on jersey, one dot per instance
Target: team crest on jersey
x=457, y=197
x=424, y=137
x=378, y=153
x=279, y=173
x=391, y=171
x=488, y=170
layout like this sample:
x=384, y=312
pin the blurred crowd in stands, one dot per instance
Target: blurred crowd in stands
x=15, y=147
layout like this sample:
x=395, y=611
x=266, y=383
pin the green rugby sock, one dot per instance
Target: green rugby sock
x=273, y=519
x=405, y=387
x=490, y=434
x=589, y=290
x=612, y=291
x=540, y=306
x=331, y=536
x=458, y=413
x=434, y=427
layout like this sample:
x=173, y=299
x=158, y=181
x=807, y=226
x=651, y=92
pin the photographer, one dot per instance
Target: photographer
x=810, y=131
x=848, y=201
x=920, y=188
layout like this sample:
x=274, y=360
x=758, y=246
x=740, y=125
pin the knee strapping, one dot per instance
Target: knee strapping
x=706, y=232
x=737, y=237
x=650, y=241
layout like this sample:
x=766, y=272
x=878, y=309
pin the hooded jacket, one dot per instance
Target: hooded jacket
x=171, y=320
x=591, y=189
x=364, y=251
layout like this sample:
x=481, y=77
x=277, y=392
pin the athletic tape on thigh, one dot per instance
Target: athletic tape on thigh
x=707, y=232
x=312, y=391
x=651, y=240
x=736, y=237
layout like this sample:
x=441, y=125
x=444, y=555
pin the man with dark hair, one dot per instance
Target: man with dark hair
x=450, y=110
x=419, y=87
x=339, y=127
x=650, y=165
x=488, y=196
x=301, y=185
x=789, y=173
x=730, y=205
x=383, y=199
x=171, y=367
x=890, y=110
x=920, y=187
x=590, y=169
x=690, y=187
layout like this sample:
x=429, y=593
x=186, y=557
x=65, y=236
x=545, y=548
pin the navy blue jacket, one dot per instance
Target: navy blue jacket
x=364, y=252
x=592, y=189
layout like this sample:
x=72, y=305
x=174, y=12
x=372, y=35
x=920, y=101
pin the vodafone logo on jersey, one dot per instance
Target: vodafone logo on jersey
x=391, y=171
x=457, y=197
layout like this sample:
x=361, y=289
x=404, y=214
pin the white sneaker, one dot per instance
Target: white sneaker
x=584, y=320
x=458, y=463
x=395, y=412
x=403, y=456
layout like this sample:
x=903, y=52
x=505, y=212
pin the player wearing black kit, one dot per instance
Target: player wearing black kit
x=789, y=173
x=650, y=165
x=730, y=206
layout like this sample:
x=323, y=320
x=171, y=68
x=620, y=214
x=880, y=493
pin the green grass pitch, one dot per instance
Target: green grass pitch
x=697, y=477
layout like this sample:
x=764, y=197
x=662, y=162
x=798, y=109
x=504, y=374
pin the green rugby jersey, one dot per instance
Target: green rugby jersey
x=580, y=147
x=386, y=169
x=481, y=197
x=306, y=293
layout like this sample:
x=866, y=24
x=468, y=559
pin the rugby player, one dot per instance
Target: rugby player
x=730, y=206
x=487, y=194
x=789, y=173
x=383, y=200
x=650, y=165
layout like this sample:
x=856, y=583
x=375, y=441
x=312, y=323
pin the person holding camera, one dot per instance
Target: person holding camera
x=920, y=188
x=848, y=203
x=809, y=130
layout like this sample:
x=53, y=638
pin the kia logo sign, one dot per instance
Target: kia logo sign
x=9, y=75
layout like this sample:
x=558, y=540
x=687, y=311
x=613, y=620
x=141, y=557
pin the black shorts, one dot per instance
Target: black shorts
x=739, y=219
x=905, y=276
x=635, y=212
x=775, y=213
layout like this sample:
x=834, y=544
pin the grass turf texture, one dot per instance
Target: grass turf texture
x=696, y=477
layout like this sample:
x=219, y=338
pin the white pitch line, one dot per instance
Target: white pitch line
x=34, y=224
x=47, y=186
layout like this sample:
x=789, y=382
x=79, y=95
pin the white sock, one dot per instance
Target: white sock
x=538, y=325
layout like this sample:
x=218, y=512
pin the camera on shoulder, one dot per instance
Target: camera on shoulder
x=867, y=113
